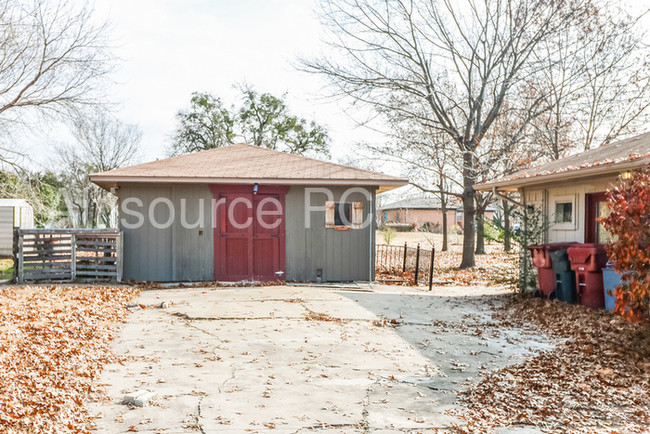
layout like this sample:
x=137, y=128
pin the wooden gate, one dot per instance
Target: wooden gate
x=67, y=254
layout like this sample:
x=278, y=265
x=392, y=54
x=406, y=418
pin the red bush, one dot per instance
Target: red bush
x=629, y=220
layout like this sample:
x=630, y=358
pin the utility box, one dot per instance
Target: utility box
x=13, y=213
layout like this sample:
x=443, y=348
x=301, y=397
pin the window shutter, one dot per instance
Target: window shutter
x=329, y=214
x=357, y=214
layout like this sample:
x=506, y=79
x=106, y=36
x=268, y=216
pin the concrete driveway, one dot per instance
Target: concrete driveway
x=297, y=359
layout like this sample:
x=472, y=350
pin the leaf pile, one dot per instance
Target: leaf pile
x=596, y=379
x=494, y=268
x=53, y=342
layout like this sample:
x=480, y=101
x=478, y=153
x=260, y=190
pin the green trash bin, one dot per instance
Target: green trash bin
x=565, y=278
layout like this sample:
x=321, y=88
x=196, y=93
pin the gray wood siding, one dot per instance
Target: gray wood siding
x=177, y=253
x=342, y=255
x=168, y=254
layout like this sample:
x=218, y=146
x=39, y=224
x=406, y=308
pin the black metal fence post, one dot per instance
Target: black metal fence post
x=405, y=253
x=417, y=264
x=433, y=254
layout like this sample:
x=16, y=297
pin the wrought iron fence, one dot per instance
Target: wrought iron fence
x=413, y=264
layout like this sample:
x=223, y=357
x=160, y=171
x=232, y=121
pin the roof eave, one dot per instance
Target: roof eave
x=108, y=182
x=515, y=184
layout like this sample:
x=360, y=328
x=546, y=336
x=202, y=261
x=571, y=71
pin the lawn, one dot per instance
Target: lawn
x=6, y=269
x=54, y=342
x=425, y=239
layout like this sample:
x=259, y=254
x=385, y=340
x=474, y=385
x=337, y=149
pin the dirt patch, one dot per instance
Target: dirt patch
x=598, y=378
x=54, y=342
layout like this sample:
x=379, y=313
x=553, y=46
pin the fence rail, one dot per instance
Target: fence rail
x=399, y=260
x=67, y=254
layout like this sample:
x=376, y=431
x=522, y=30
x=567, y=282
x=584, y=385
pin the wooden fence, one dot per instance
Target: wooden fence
x=67, y=254
x=399, y=260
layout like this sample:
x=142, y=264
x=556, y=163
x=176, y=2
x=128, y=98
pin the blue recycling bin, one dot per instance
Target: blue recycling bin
x=611, y=279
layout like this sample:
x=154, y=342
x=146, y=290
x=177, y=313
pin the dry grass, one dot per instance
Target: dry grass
x=425, y=239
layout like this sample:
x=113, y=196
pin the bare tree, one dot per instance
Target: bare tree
x=102, y=143
x=595, y=80
x=462, y=59
x=52, y=55
x=426, y=158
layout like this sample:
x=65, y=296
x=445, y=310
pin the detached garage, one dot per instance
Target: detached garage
x=245, y=213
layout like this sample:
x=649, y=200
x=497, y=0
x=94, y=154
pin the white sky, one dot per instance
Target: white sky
x=171, y=48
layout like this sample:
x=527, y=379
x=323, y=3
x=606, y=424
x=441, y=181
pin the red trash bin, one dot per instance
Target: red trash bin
x=588, y=261
x=546, y=279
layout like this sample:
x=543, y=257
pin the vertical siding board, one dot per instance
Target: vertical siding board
x=147, y=250
x=194, y=253
x=343, y=255
x=178, y=253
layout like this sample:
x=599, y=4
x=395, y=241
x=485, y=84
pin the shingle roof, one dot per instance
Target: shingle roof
x=241, y=163
x=623, y=155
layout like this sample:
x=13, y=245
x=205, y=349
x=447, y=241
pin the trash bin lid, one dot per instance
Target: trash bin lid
x=559, y=246
x=559, y=255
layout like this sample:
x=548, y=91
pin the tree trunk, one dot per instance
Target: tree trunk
x=469, y=212
x=444, y=228
x=480, y=230
x=506, y=227
x=443, y=208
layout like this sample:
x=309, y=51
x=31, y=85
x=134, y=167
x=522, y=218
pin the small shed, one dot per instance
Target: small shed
x=13, y=213
x=246, y=213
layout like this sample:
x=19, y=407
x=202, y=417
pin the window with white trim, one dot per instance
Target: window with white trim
x=563, y=212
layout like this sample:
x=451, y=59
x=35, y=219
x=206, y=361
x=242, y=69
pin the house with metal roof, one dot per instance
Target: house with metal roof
x=246, y=213
x=570, y=192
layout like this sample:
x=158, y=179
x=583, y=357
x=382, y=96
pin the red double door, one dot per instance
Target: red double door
x=249, y=236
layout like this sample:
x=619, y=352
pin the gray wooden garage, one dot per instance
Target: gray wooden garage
x=245, y=213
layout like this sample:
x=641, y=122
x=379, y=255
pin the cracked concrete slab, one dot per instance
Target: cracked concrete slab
x=298, y=359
